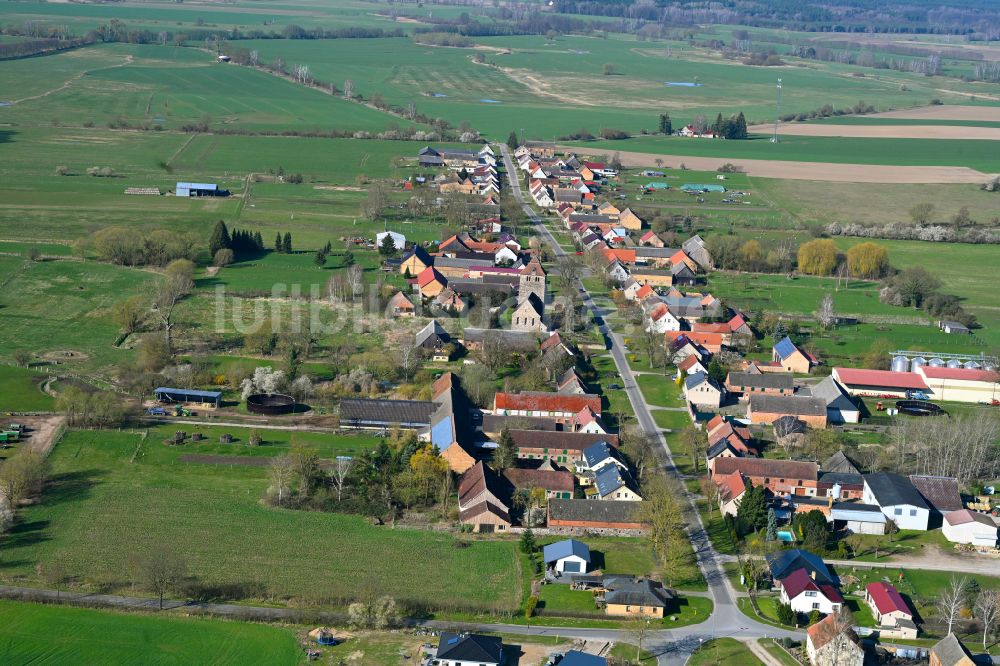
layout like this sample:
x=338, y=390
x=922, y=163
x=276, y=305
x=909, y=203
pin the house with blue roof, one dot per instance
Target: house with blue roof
x=599, y=455
x=568, y=556
x=791, y=358
x=614, y=483
x=702, y=391
x=784, y=562
x=577, y=658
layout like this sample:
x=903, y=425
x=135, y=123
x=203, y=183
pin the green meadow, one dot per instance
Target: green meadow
x=115, y=493
x=43, y=634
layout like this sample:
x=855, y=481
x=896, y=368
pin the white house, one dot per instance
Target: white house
x=504, y=255
x=804, y=594
x=702, y=391
x=662, y=320
x=964, y=526
x=568, y=556
x=614, y=483
x=398, y=240
x=898, y=498
x=616, y=271
x=597, y=456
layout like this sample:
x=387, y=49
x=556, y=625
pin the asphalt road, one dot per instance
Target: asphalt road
x=675, y=645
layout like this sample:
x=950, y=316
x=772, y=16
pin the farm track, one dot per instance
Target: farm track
x=884, y=131
x=129, y=59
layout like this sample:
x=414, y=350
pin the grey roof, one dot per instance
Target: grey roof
x=360, y=412
x=597, y=511
x=949, y=651
x=891, y=489
x=865, y=513
x=431, y=331
x=485, y=260
x=839, y=462
x=698, y=378
x=515, y=340
x=497, y=422
x=793, y=405
x=655, y=252
x=611, y=477
x=577, y=658
x=771, y=380
x=562, y=440
x=717, y=448
x=843, y=478
x=481, y=286
x=830, y=392
x=784, y=562
x=627, y=591
x=595, y=453
x=560, y=549
x=681, y=270
x=941, y=492
x=470, y=647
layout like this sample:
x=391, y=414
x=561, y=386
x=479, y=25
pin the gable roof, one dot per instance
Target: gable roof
x=699, y=378
x=470, y=647
x=577, y=658
x=737, y=322
x=731, y=486
x=785, y=348
x=401, y=301
x=768, y=467
x=963, y=516
x=547, y=401
x=950, y=651
x=689, y=362
x=599, y=451
x=887, y=598
x=551, y=480
x=479, y=479
x=608, y=512
x=561, y=439
x=771, y=380
x=612, y=477
x=941, y=492
x=886, y=378
x=827, y=630
x=891, y=489
x=962, y=374
x=566, y=548
x=360, y=412
x=829, y=391
x=785, y=562
x=430, y=330
x=428, y=275
x=794, y=405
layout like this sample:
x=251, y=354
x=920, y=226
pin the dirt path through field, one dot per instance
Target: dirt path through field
x=820, y=171
x=883, y=131
x=945, y=112
x=76, y=77
x=41, y=432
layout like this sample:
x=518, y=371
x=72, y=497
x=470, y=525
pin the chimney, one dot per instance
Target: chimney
x=814, y=574
x=829, y=501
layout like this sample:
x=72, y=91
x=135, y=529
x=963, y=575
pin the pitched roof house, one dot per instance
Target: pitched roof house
x=567, y=556
x=400, y=306
x=469, y=650
x=541, y=403
x=557, y=484
x=805, y=594
x=950, y=651
x=887, y=604
x=791, y=357
x=898, y=498
x=965, y=526
x=831, y=642
x=589, y=514
x=483, y=500
x=625, y=596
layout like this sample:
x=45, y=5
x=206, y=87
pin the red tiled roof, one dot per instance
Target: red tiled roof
x=886, y=598
x=799, y=581
x=769, y=468
x=886, y=378
x=708, y=327
x=827, y=630
x=540, y=478
x=963, y=516
x=731, y=486
x=964, y=374
x=688, y=363
x=644, y=291
x=737, y=322
x=551, y=341
x=546, y=402
x=429, y=275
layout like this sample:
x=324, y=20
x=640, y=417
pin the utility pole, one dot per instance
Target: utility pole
x=777, y=114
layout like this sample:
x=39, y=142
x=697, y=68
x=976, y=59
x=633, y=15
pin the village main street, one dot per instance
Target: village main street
x=675, y=645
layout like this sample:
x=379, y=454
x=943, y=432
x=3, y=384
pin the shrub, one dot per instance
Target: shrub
x=223, y=257
x=785, y=614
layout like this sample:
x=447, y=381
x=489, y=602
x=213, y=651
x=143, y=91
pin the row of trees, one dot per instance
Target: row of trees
x=125, y=247
x=240, y=243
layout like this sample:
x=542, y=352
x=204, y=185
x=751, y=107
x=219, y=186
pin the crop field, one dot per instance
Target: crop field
x=113, y=493
x=168, y=86
x=43, y=634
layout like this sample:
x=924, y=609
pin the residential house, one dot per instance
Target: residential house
x=969, y=527
x=570, y=383
x=730, y=489
x=950, y=651
x=469, y=650
x=805, y=594
x=831, y=642
x=781, y=563
x=564, y=448
x=645, y=291
x=720, y=328
x=449, y=301
x=567, y=556
x=651, y=239
x=430, y=282
x=695, y=248
x=630, y=220
x=702, y=391
x=630, y=288
x=616, y=272
x=748, y=384
x=415, y=262
x=400, y=306
x=739, y=326
x=889, y=608
x=839, y=406
x=432, y=337
x=791, y=357
x=662, y=320
x=692, y=365
x=483, y=500
x=710, y=342
x=898, y=499
x=625, y=596
x=599, y=455
x=652, y=276
x=587, y=421
x=557, y=484
x=611, y=482
x=767, y=409
x=781, y=477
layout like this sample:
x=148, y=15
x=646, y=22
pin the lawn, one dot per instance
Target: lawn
x=660, y=390
x=778, y=652
x=47, y=634
x=20, y=391
x=671, y=419
x=113, y=494
x=722, y=650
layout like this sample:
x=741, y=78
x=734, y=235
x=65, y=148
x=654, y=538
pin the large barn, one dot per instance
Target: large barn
x=878, y=383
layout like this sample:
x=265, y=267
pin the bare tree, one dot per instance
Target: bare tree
x=987, y=609
x=349, y=89
x=951, y=600
x=341, y=469
x=494, y=351
x=254, y=58
x=281, y=473
x=639, y=629
x=408, y=354
x=177, y=283
x=825, y=315
x=162, y=570
x=355, y=279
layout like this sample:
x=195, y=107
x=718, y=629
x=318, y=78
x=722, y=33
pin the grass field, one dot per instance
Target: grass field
x=20, y=392
x=43, y=634
x=723, y=650
x=113, y=493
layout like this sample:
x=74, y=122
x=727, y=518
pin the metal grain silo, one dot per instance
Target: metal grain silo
x=917, y=362
x=900, y=364
x=954, y=363
x=936, y=362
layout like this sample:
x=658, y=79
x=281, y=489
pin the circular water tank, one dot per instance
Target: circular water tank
x=971, y=365
x=917, y=362
x=954, y=363
x=935, y=362
x=900, y=364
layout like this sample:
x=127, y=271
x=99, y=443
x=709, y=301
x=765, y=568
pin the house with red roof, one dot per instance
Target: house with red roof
x=710, y=342
x=738, y=325
x=645, y=291
x=587, y=421
x=721, y=328
x=430, y=282
x=833, y=642
x=651, y=239
x=692, y=365
x=661, y=320
x=805, y=594
x=889, y=608
x=731, y=489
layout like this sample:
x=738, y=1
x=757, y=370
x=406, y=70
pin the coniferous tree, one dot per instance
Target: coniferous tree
x=512, y=140
x=278, y=247
x=286, y=243
x=666, y=126
x=717, y=127
x=258, y=241
x=220, y=239
x=740, y=127
x=505, y=453
x=752, y=512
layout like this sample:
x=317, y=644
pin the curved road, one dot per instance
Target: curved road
x=672, y=646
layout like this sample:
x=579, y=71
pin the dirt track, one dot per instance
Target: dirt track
x=821, y=171
x=946, y=112
x=883, y=131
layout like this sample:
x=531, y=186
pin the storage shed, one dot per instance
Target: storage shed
x=198, y=190
x=568, y=556
x=165, y=394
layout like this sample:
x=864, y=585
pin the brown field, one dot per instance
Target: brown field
x=884, y=131
x=820, y=171
x=946, y=112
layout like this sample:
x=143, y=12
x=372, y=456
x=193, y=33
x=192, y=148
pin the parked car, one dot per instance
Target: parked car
x=917, y=395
